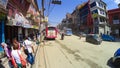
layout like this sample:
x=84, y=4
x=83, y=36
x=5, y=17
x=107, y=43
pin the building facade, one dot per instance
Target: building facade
x=100, y=17
x=15, y=19
x=114, y=21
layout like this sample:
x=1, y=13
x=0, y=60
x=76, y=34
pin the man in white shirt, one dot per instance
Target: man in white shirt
x=27, y=44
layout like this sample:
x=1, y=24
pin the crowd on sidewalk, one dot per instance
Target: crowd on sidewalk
x=15, y=53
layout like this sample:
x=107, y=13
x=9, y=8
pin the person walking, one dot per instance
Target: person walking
x=29, y=50
x=62, y=36
x=7, y=52
x=18, y=57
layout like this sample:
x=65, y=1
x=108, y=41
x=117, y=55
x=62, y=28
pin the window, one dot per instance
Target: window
x=102, y=19
x=93, y=4
x=95, y=11
x=101, y=5
x=116, y=17
x=102, y=12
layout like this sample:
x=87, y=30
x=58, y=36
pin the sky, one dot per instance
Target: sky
x=58, y=12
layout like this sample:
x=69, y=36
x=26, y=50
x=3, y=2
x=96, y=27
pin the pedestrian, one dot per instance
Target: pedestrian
x=29, y=50
x=62, y=36
x=18, y=57
x=7, y=52
x=15, y=42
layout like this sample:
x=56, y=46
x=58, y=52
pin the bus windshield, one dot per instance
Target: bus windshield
x=51, y=28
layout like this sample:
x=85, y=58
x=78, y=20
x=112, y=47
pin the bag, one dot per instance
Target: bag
x=26, y=50
x=13, y=62
x=22, y=59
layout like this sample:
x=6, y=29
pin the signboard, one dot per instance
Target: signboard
x=26, y=24
x=3, y=3
x=94, y=15
x=18, y=20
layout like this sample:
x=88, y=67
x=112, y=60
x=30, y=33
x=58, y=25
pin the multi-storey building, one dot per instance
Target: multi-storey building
x=84, y=21
x=18, y=24
x=91, y=17
x=99, y=15
x=114, y=21
x=17, y=10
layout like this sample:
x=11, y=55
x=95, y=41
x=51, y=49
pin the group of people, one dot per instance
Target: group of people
x=15, y=55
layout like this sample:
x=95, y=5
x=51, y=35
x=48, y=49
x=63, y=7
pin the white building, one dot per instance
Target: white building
x=99, y=14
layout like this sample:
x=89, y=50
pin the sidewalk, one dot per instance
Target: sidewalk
x=5, y=60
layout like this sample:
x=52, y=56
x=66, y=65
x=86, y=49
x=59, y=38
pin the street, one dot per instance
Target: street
x=73, y=52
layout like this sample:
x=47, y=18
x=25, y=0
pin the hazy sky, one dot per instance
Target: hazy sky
x=57, y=12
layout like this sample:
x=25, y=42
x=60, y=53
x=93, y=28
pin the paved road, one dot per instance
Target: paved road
x=73, y=52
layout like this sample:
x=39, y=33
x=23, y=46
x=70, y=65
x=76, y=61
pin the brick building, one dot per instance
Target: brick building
x=114, y=21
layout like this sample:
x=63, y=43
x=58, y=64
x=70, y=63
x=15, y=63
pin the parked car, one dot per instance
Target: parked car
x=93, y=38
x=116, y=58
x=107, y=37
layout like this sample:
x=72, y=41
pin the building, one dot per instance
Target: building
x=90, y=17
x=20, y=22
x=32, y=27
x=100, y=17
x=15, y=19
x=114, y=21
x=84, y=22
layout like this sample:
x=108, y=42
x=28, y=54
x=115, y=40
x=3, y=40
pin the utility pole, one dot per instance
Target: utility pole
x=41, y=18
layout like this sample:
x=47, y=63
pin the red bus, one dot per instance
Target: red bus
x=51, y=32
